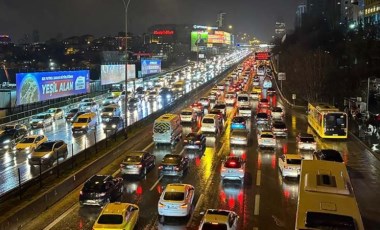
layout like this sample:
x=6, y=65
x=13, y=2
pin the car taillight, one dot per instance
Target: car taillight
x=81, y=193
x=160, y=167
x=241, y=170
x=176, y=168
x=139, y=166
x=184, y=205
x=185, y=141
x=197, y=142
x=122, y=165
x=161, y=205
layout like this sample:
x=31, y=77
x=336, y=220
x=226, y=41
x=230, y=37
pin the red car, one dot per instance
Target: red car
x=197, y=107
x=263, y=103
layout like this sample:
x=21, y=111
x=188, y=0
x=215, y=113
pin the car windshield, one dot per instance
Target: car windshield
x=45, y=147
x=177, y=196
x=262, y=115
x=266, y=136
x=52, y=110
x=28, y=140
x=186, y=113
x=264, y=101
x=133, y=159
x=279, y=125
x=108, y=109
x=208, y=120
x=110, y=219
x=293, y=161
x=82, y=120
x=171, y=159
x=238, y=120
x=214, y=226
x=307, y=139
x=74, y=111
x=220, y=106
x=276, y=109
x=242, y=98
x=39, y=117
x=87, y=104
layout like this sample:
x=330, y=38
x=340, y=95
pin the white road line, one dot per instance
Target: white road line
x=221, y=149
x=183, y=150
x=156, y=183
x=116, y=173
x=147, y=147
x=200, y=200
x=257, y=205
x=56, y=221
x=258, y=178
x=255, y=228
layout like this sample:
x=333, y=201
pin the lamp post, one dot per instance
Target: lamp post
x=126, y=5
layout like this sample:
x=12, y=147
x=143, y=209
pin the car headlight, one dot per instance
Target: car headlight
x=113, y=126
x=109, y=114
x=29, y=156
x=83, y=126
x=40, y=122
x=168, y=96
x=46, y=156
x=6, y=141
x=27, y=148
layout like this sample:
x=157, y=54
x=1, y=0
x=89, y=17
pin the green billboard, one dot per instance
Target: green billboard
x=198, y=40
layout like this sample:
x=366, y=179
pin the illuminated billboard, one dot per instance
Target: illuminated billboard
x=199, y=40
x=163, y=32
x=111, y=74
x=131, y=71
x=150, y=66
x=262, y=55
x=227, y=38
x=34, y=87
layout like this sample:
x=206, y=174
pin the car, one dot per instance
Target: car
x=279, y=129
x=137, y=163
x=277, y=113
x=306, y=141
x=233, y=168
x=205, y=102
x=262, y=118
x=266, y=139
x=48, y=152
x=10, y=137
x=100, y=190
x=221, y=106
x=133, y=103
x=213, y=96
x=71, y=114
x=56, y=113
x=75, y=117
x=166, y=94
x=271, y=91
x=29, y=143
x=117, y=216
x=188, y=115
x=197, y=107
x=152, y=95
x=89, y=107
x=140, y=93
x=194, y=141
x=239, y=137
x=256, y=82
x=41, y=120
x=110, y=111
x=230, y=98
x=263, y=103
x=216, y=91
x=111, y=100
x=245, y=111
x=84, y=123
x=290, y=165
x=219, y=219
x=176, y=201
x=87, y=99
x=238, y=122
x=113, y=124
x=328, y=155
x=173, y=165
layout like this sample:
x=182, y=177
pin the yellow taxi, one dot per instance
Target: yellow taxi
x=30, y=143
x=117, y=215
x=84, y=122
x=256, y=89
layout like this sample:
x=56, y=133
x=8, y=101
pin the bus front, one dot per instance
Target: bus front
x=335, y=125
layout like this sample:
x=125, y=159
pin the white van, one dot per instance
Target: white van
x=242, y=99
x=167, y=129
x=210, y=123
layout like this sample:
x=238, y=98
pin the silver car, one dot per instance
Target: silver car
x=233, y=168
x=239, y=137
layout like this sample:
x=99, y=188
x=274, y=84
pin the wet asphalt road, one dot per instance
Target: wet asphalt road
x=264, y=201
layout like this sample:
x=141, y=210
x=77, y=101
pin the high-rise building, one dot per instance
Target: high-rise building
x=280, y=29
x=372, y=12
x=220, y=20
x=328, y=11
x=300, y=14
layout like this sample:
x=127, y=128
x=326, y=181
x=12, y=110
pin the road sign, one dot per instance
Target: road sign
x=281, y=76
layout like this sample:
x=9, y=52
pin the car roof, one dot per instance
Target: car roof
x=34, y=136
x=216, y=215
x=293, y=156
x=177, y=187
x=136, y=153
x=305, y=135
x=116, y=208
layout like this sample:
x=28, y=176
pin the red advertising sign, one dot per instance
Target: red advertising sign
x=163, y=32
x=262, y=56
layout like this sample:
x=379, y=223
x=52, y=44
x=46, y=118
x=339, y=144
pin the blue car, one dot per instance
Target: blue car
x=238, y=122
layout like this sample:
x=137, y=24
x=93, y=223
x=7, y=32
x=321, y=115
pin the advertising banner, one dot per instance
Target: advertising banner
x=262, y=55
x=150, y=66
x=131, y=71
x=227, y=38
x=111, y=74
x=33, y=87
x=198, y=40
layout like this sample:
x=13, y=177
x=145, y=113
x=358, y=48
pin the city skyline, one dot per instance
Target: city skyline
x=71, y=18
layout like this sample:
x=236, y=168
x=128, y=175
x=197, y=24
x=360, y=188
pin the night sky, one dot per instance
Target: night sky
x=106, y=17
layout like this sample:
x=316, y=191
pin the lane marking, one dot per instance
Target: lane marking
x=221, y=149
x=56, y=221
x=200, y=200
x=257, y=205
x=155, y=184
x=258, y=178
x=147, y=147
x=116, y=173
x=183, y=150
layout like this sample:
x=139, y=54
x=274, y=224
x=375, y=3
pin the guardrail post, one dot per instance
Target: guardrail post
x=72, y=155
x=106, y=138
x=19, y=183
x=57, y=165
x=40, y=173
x=85, y=152
x=96, y=145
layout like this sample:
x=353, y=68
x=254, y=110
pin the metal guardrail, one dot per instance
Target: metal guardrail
x=22, y=216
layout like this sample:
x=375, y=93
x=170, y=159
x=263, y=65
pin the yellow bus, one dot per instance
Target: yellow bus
x=326, y=199
x=327, y=120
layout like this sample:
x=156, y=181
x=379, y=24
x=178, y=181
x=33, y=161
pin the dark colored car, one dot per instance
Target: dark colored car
x=194, y=141
x=113, y=124
x=173, y=165
x=48, y=152
x=279, y=129
x=166, y=95
x=137, y=163
x=271, y=91
x=10, y=137
x=71, y=114
x=328, y=155
x=133, y=103
x=100, y=190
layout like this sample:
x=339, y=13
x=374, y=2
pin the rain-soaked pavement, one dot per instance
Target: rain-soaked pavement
x=264, y=201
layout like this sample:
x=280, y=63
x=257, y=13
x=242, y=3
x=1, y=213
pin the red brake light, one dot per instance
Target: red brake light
x=159, y=167
x=232, y=163
x=176, y=168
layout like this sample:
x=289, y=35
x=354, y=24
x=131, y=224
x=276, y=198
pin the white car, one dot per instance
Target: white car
x=230, y=98
x=87, y=99
x=41, y=120
x=176, y=200
x=89, y=107
x=306, y=141
x=212, y=96
x=290, y=165
x=279, y=129
x=233, y=168
x=188, y=115
x=204, y=101
x=245, y=111
x=219, y=219
x=277, y=113
x=266, y=139
x=239, y=137
x=111, y=100
x=56, y=113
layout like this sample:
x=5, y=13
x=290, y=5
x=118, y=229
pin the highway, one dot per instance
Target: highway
x=10, y=161
x=264, y=201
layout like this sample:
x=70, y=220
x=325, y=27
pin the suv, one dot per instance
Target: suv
x=100, y=190
x=306, y=141
x=137, y=163
x=10, y=137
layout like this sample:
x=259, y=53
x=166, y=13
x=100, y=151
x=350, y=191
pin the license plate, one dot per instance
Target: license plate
x=130, y=166
x=91, y=201
x=168, y=167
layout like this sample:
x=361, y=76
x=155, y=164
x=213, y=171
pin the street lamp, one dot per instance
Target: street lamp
x=126, y=5
x=230, y=27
